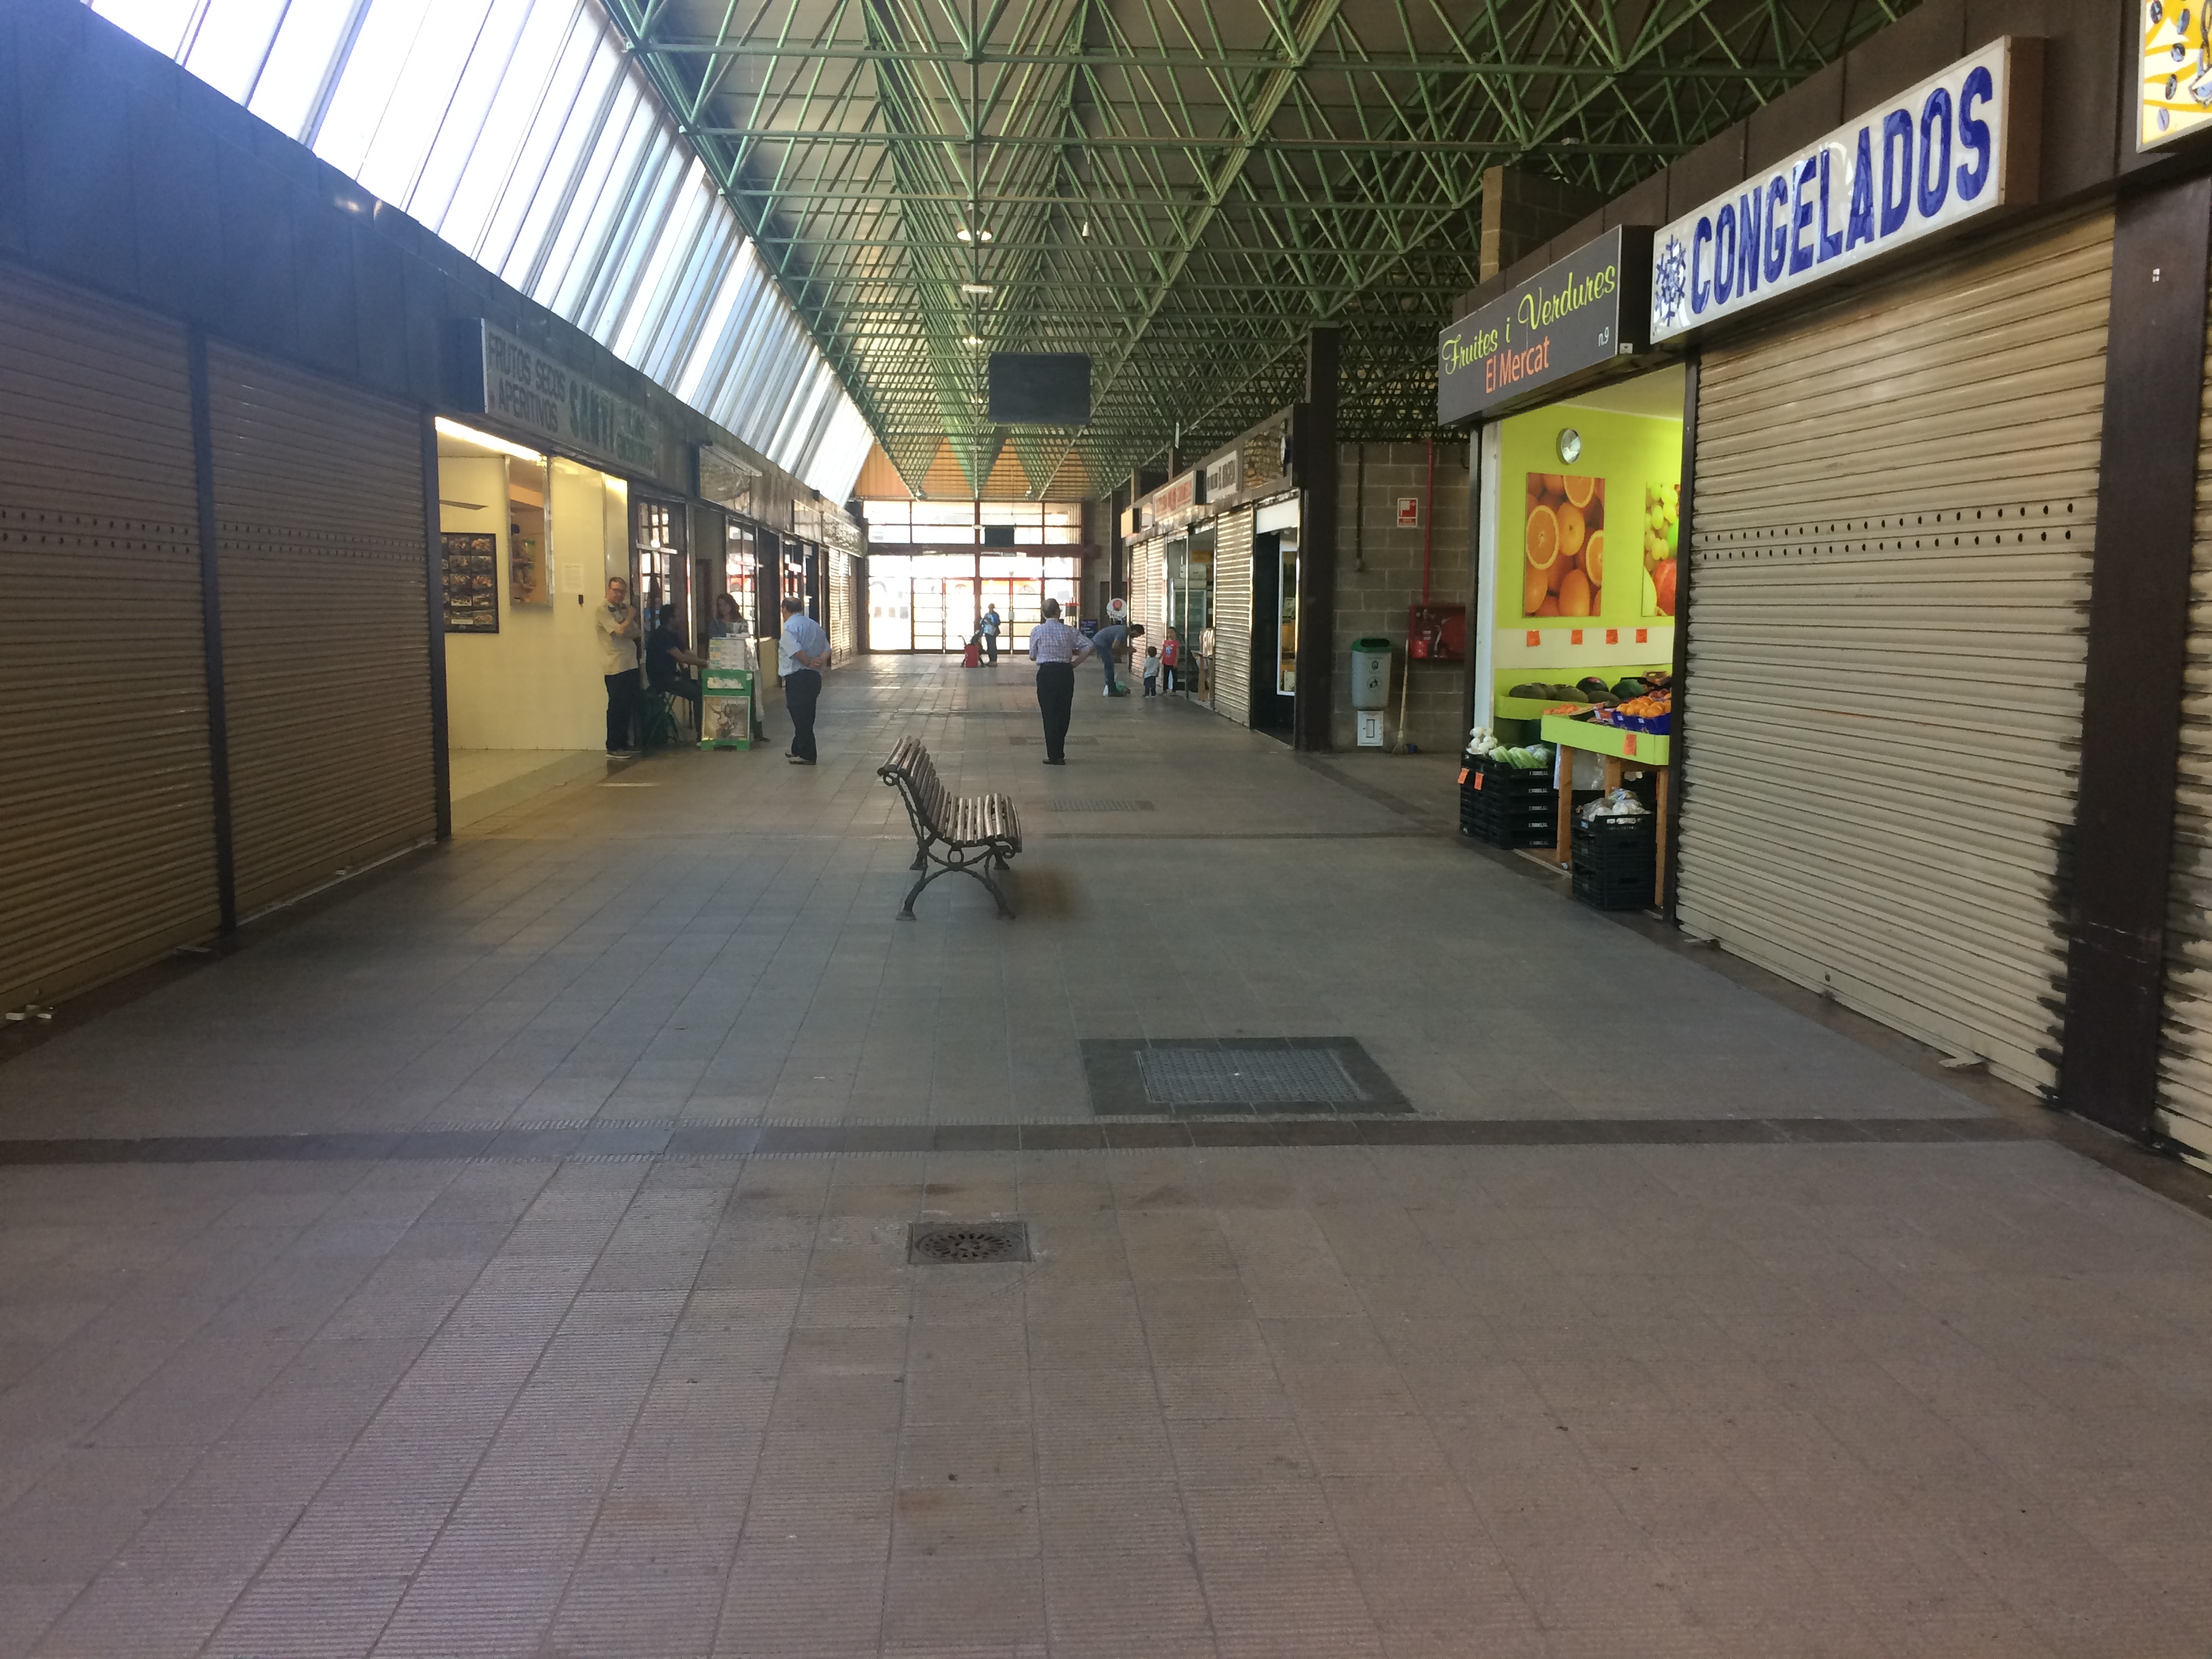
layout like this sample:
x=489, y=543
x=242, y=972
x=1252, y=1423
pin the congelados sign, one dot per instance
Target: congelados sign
x=1956, y=146
x=1569, y=317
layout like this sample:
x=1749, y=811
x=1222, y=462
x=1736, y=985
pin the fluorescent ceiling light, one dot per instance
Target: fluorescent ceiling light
x=469, y=434
x=977, y=290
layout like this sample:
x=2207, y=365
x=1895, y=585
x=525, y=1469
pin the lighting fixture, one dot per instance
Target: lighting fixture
x=968, y=236
x=469, y=434
x=973, y=339
x=977, y=290
x=962, y=233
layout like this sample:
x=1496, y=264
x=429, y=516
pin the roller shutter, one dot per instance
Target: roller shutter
x=1232, y=616
x=107, y=823
x=1148, y=582
x=1894, y=514
x=2184, y=1083
x=844, y=602
x=326, y=675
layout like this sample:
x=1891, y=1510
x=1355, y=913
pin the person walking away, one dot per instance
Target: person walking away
x=802, y=654
x=1151, y=671
x=664, y=655
x=617, y=630
x=1205, y=661
x=991, y=634
x=1170, y=659
x=1055, y=648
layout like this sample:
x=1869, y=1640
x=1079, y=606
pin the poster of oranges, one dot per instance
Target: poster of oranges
x=1563, y=553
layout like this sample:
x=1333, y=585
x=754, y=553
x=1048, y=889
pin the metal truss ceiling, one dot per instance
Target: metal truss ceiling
x=1179, y=187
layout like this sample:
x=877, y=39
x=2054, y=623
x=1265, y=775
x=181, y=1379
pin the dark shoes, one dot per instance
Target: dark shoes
x=1049, y=761
x=798, y=760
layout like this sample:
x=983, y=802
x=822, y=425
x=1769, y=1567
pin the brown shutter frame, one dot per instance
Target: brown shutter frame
x=2138, y=645
x=1311, y=710
x=1678, y=745
x=226, y=875
x=434, y=592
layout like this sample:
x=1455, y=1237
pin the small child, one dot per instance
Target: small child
x=1152, y=670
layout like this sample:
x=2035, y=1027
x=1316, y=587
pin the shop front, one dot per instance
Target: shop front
x=1868, y=509
x=546, y=490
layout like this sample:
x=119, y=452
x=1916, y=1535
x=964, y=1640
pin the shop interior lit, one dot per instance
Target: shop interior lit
x=529, y=541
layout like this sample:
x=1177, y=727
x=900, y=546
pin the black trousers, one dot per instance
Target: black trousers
x=801, y=691
x=622, y=709
x=1055, y=683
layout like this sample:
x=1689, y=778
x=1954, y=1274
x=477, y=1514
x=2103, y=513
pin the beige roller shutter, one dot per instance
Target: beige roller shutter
x=2184, y=1083
x=844, y=638
x=1232, y=616
x=1148, y=598
x=1893, y=520
x=326, y=683
x=108, y=820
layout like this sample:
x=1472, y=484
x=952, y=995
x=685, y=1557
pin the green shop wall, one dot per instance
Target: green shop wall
x=1628, y=455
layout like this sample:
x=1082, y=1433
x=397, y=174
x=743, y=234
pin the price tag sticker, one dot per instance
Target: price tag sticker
x=1612, y=636
x=1629, y=747
x=1644, y=636
x=1536, y=636
x=1462, y=777
x=1575, y=636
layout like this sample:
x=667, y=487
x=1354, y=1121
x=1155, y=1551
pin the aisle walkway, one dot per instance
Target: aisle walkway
x=511, y=1256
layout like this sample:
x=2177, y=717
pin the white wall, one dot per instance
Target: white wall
x=537, y=684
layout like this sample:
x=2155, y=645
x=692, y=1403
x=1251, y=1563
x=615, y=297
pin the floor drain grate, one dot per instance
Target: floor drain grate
x=1266, y=1076
x=957, y=1243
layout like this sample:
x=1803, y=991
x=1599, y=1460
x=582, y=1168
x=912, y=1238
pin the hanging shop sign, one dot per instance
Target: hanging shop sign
x=2174, y=90
x=499, y=375
x=1962, y=143
x=1224, y=475
x=1173, y=504
x=1585, y=310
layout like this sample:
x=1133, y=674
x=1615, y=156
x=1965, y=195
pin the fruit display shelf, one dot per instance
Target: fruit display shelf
x=1648, y=747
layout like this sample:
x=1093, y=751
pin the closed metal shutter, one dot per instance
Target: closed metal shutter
x=326, y=675
x=1894, y=514
x=107, y=823
x=2184, y=1081
x=844, y=601
x=1148, y=599
x=1232, y=617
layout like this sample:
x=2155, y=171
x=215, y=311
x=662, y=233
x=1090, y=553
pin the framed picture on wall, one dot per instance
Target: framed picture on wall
x=471, y=573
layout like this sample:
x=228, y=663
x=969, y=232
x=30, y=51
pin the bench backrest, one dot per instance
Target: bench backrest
x=911, y=763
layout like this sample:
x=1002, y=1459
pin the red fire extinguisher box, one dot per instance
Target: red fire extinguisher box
x=1437, y=633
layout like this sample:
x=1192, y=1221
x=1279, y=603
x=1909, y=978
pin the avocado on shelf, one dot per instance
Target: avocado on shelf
x=1529, y=690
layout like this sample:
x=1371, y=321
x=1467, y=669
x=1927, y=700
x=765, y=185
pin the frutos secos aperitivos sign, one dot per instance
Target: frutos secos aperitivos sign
x=1961, y=143
x=1573, y=315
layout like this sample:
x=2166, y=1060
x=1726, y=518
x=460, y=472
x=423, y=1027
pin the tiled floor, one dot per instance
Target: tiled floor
x=1697, y=1328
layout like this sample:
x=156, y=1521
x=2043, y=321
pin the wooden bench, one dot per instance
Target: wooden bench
x=975, y=835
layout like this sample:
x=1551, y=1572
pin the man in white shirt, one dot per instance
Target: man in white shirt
x=1055, y=648
x=615, y=624
x=802, y=654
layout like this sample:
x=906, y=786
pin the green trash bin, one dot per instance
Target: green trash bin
x=1370, y=674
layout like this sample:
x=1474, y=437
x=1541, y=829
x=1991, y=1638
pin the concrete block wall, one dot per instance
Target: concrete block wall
x=1373, y=601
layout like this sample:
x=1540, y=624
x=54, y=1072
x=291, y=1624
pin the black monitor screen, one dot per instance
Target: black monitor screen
x=1040, y=388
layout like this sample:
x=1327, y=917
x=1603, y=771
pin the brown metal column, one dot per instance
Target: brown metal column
x=1310, y=707
x=441, y=767
x=1678, y=743
x=2138, y=642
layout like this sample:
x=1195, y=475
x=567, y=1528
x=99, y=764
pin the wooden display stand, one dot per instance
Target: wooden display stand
x=1622, y=751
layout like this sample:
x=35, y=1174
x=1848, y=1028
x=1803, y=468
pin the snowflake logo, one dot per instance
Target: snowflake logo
x=1670, y=283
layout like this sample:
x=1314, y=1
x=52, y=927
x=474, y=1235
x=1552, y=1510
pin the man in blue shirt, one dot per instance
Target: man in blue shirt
x=801, y=654
x=991, y=634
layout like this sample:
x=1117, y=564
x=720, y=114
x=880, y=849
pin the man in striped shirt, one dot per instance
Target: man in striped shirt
x=1055, y=647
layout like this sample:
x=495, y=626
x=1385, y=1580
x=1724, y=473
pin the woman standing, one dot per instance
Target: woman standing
x=1055, y=648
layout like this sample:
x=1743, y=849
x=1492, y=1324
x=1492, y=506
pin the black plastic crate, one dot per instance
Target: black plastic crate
x=1616, y=862
x=1508, y=806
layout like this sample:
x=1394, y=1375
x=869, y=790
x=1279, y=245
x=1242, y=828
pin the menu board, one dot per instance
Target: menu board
x=472, y=567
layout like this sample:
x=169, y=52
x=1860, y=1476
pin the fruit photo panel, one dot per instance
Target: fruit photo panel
x=1563, y=553
x=1661, y=538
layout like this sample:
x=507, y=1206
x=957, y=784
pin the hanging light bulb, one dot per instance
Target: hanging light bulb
x=964, y=234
